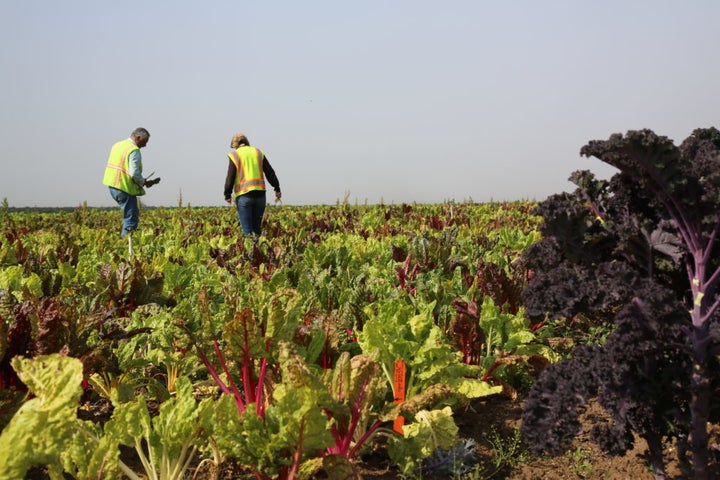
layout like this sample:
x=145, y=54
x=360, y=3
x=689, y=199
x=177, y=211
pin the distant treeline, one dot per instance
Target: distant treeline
x=70, y=209
x=58, y=209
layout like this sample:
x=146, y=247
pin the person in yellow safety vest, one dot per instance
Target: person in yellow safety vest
x=245, y=181
x=123, y=176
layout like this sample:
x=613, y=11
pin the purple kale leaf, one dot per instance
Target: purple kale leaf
x=640, y=251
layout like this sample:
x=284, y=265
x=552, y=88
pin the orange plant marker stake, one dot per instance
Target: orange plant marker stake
x=399, y=393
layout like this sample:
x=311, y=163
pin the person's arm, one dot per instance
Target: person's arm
x=229, y=181
x=271, y=177
x=135, y=161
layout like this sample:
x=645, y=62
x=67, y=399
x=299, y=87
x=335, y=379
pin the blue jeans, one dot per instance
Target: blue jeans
x=129, y=205
x=250, y=210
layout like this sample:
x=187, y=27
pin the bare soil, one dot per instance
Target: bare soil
x=499, y=417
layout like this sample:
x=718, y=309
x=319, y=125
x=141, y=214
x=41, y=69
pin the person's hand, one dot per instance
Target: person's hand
x=154, y=181
x=228, y=201
x=278, y=194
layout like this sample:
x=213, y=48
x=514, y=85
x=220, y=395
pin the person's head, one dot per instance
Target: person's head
x=238, y=140
x=140, y=136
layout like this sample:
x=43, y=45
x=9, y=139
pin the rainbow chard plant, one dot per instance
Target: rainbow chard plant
x=397, y=330
x=251, y=359
x=359, y=390
x=640, y=251
x=168, y=442
x=501, y=343
x=286, y=436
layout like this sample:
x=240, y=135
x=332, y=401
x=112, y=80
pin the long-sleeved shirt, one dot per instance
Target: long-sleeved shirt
x=267, y=171
x=136, y=166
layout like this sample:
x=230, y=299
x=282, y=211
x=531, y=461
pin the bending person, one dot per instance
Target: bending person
x=245, y=181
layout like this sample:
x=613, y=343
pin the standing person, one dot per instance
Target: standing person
x=123, y=176
x=245, y=180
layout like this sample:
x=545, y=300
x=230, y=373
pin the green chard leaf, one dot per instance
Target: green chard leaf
x=45, y=425
x=431, y=429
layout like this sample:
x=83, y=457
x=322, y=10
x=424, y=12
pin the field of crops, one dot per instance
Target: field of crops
x=350, y=336
x=342, y=331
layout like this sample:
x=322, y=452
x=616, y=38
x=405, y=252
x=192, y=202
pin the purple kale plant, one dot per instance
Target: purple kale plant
x=640, y=251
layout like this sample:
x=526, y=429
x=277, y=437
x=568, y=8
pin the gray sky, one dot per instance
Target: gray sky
x=394, y=101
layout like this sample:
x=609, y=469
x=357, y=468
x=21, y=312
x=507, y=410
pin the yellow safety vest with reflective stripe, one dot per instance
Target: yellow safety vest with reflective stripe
x=117, y=171
x=249, y=169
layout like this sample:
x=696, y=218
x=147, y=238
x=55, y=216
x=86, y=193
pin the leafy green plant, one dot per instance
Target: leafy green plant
x=168, y=442
x=580, y=463
x=46, y=431
x=287, y=433
x=348, y=396
x=14, y=281
x=359, y=391
x=249, y=350
x=429, y=431
x=165, y=352
x=395, y=330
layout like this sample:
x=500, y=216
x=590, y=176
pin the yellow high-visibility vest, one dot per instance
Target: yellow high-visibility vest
x=249, y=169
x=117, y=170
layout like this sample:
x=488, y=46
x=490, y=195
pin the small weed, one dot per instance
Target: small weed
x=508, y=452
x=580, y=462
